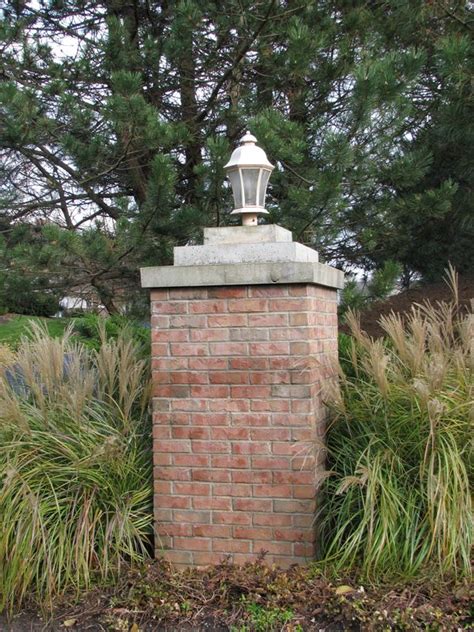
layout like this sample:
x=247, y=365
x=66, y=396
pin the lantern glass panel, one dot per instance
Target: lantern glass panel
x=263, y=187
x=250, y=180
x=234, y=177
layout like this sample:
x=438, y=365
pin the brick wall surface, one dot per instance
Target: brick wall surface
x=238, y=419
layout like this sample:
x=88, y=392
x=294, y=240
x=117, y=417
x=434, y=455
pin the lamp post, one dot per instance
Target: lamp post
x=249, y=171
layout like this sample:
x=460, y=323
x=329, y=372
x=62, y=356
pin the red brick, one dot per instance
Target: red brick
x=211, y=419
x=304, y=491
x=213, y=475
x=193, y=489
x=211, y=447
x=193, y=544
x=169, y=307
x=212, y=531
x=193, y=321
x=230, y=434
x=208, y=307
x=272, y=519
x=253, y=533
x=224, y=489
x=251, y=476
x=270, y=377
x=160, y=349
x=251, y=447
x=207, y=502
x=269, y=348
x=235, y=462
x=227, y=320
x=175, y=502
x=162, y=487
x=228, y=377
x=228, y=292
x=172, y=474
x=272, y=491
x=267, y=320
x=252, y=504
x=201, y=517
x=230, y=405
x=161, y=459
x=228, y=348
x=189, y=404
x=254, y=364
x=231, y=546
x=189, y=349
x=248, y=305
x=295, y=478
x=203, y=559
x=270, y=434
x=212, y=391
x=251, y=419
x=188, y=377
x=268, y=291
x=170, y=390
x=214, y=335
x=169, y=364
x=276, y=548
x=190, y=432
x=161, y=432
x=293, y=535
x=231, y=517
x=174, y=529
x=176, y=557
x=208, y=364
x=276, y=406
x=270, y=463
x=175, y=445
x=304, y=549
x=159, y=294
x=187, y=293
x=169, y=335
x=294, y=506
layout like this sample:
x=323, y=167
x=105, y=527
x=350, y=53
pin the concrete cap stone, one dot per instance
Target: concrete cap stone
x=243, y=253
x=242, y=274
x=265, y=233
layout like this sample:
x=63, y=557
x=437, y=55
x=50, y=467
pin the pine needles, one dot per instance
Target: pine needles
x=398, y=500
x=75, y=474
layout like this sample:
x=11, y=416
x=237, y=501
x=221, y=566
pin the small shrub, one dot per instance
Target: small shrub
x=397, y=495
x=75, y=474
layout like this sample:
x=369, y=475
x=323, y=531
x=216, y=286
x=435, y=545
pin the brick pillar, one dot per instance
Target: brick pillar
x=238, y=421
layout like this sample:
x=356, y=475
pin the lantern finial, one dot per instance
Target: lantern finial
x=248, y=171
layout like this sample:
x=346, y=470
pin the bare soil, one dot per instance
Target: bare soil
x=402, y=303
x=253, y=598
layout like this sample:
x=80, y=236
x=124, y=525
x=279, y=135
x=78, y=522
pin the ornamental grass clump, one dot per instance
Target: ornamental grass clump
x=397, y=490
x=75, y=475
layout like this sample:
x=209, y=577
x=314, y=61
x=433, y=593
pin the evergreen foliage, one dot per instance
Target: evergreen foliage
x=117, y=119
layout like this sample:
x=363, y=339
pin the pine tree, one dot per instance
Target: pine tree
x=118, y=116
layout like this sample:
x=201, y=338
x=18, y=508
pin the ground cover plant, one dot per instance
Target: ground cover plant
x=397, y=492
x=75, y=465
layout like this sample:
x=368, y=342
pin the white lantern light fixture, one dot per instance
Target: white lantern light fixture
x=249, y=171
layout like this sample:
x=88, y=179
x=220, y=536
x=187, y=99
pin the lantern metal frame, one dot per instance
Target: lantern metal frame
x=249, y=188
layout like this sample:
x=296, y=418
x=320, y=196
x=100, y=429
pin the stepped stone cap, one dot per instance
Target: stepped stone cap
x=243, y=255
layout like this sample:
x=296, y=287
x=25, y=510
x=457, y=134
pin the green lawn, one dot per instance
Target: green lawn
x=12, y=330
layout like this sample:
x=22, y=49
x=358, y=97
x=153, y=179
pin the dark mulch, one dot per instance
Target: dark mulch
x=253, y=598
x=403, y=302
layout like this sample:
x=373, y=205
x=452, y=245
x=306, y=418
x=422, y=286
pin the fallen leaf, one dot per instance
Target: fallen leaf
x=134, y=628
x=343, y=590
x=68, y=623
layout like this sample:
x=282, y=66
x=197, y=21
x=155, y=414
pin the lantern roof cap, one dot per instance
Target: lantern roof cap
x=247, y=154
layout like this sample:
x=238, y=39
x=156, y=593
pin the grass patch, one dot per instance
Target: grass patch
x=11, y=331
